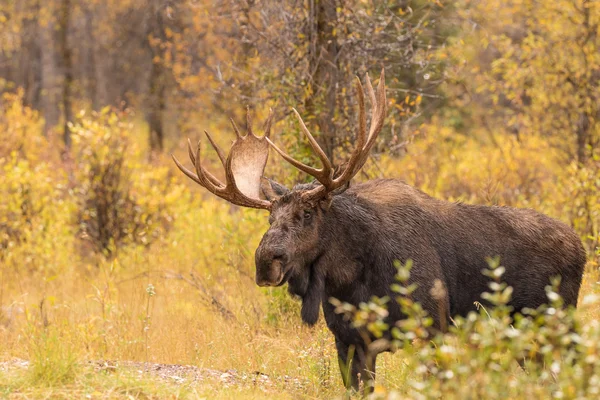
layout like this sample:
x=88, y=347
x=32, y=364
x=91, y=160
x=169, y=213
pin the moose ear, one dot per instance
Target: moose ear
x=271, y=189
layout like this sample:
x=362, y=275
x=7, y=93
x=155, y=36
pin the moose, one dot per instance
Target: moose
x=330, y=239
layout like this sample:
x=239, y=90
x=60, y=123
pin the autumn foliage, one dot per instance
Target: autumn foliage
x=490, y=102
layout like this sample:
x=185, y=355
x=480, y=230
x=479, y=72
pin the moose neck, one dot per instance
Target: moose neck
x=349, y=241
x=351, y=234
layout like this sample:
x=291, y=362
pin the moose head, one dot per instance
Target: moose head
x=297, y=216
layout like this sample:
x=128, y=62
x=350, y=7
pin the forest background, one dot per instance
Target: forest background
x=108, y=253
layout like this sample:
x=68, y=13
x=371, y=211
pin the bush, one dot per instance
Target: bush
x=34, y=204
x=480, y=354
x=33, y=213
x=21, y=128
x=120, y=202
x=581, y=194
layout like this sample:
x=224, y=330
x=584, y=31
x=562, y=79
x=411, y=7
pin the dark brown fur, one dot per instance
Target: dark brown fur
x=345, y=247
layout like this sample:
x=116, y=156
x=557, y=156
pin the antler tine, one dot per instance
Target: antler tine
x=217, y=148
x=301, y=166
x=378, y=103
x=248, y=122
x=198, y=165
x=377, y=119
x=267, y=126
x=313, y=143
x=235, y=128
x=210, y=181
x=371, y=92
x=191, y=152
x=362, y=115
x=381, y=107
x=186, y=171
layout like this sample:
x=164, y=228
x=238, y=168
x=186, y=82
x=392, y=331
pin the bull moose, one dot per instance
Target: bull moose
x=329, y=239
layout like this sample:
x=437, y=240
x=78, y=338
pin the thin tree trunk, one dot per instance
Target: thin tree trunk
x=157, y=105
x=65, y=16
x=323, y=61
x=27, y=64
x=583, y=131
x=584, y=121
x=247, y=50
x=102, y=83
x=49, y=70
x=89, y=59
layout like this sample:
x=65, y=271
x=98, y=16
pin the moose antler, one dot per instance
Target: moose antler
x=359, y=156
x=244, y=167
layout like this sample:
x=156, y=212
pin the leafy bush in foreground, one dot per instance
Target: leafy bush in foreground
x=479, y=355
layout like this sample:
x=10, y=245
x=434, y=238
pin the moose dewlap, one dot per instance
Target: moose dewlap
x=329, y=239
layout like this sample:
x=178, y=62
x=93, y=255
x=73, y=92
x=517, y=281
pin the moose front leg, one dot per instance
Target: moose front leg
x=356, y=363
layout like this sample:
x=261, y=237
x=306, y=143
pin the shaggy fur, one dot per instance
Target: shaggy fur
x=345, y=247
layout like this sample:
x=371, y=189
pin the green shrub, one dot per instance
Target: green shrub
x=480, y=354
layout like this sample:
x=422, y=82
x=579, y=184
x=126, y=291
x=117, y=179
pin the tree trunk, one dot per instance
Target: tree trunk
x=102, y=83
x=157, y=105
x=583, y=131
x=50, y=74
x=584, y=122
x=89, y=59
x=65, y=16
x=323, y=61
x=247, y=51
x=27, y=65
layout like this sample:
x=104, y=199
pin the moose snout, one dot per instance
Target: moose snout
x=270, y=266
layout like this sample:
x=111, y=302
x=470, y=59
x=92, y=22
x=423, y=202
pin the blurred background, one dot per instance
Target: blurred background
x=106, y=245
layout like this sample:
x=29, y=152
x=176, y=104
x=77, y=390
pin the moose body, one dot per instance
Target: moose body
x=332, y=240
x=350, y=255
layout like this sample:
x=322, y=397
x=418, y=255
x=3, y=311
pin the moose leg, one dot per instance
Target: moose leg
x=355, y=363
x=366, y=368
x=368, y=373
